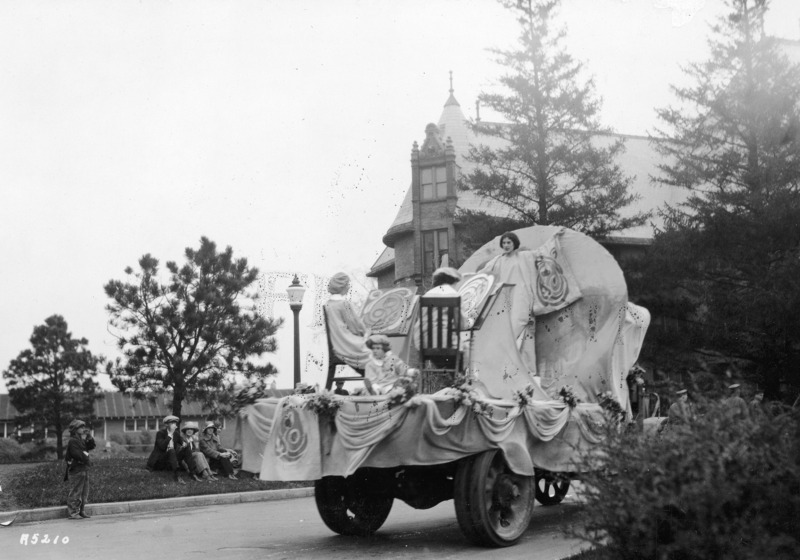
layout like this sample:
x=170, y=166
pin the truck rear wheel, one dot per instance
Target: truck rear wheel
x=493, y=504
x=550, y=487
x=349, y=510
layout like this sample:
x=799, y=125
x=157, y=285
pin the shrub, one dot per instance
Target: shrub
x=147, y=438
x=723, y=487
x=132, y=441
x=110, y=450
x=117, y=438
x=38, y=452
x=10, y=450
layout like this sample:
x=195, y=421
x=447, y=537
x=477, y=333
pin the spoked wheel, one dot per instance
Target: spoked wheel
x=493, y=504
x=551, y=488
x=347, y=510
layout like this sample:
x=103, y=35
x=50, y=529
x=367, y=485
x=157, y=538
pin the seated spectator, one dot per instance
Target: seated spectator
x=170, y=450
x=384, y=368
x=340, y=390
x=218, y=457
x=190, y=434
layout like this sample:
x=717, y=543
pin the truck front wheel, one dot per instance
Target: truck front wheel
x=349, y=510
x=493, y=504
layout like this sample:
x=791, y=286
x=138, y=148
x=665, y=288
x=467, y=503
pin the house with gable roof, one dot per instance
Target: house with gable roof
x=425, y=232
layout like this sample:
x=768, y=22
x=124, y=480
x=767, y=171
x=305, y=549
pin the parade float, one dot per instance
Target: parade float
x=548, y=339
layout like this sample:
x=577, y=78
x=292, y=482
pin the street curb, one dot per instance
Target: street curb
x=144, y=506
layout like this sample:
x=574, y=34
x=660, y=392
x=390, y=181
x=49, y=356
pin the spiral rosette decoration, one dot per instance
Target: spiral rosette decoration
x=291, y=441
x=388, y=311
x=552, y=287
x=473, y=291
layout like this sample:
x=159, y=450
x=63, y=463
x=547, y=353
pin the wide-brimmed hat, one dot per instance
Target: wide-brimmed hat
x=210, y=425
x=190, y=426
x=681, y=392
x=170, y=418
x=75, y=425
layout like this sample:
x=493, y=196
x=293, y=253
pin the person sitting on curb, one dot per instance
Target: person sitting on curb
x=218, y=457
x=190, y=433
x=77, y=458
x=170, y=450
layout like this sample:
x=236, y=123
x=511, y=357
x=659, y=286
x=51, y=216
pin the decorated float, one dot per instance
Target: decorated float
x=548, y=339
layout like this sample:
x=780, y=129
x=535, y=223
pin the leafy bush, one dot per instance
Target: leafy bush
x=133, y=441
x=10, y=450
x=117, y=438
x=110, y=449
x=723, y=487
x=147, y=438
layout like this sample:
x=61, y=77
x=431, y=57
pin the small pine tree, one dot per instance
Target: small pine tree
x=53, y=383
x=192, y=335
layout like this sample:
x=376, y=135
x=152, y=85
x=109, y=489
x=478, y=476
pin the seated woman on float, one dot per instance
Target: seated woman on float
x=383, y=369
x=345, y=328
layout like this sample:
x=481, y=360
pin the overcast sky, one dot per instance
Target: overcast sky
x=280, y=128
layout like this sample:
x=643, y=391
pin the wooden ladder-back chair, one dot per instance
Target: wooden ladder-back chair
x=334, y=360
x=439, y=329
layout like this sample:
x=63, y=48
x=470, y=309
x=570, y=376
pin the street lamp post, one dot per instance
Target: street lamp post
x=295, y=292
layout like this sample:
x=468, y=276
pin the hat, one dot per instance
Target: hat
x=190, y=426
x=734, y=386
x=681, y=392
x=75, y=424
x=170, y=418
x=378, y=339
x=447, y=271
x=339, y=283
x=210, y=425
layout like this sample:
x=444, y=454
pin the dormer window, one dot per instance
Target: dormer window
x=433, y=183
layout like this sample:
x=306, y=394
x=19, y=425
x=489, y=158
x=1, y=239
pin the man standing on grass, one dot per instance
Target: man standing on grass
x=170, y=449
x=77, y=457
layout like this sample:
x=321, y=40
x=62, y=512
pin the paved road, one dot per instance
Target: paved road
x=275, y=530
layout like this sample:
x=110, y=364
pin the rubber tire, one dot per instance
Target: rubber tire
x=550, y=489
x=347, y=511
x=481, y=482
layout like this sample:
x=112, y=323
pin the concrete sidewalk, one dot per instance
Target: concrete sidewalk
x=60, y=512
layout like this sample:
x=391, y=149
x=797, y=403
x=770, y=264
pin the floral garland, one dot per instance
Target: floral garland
x=249, y=394
x=567, y=395
x=525, y=396
x=466, y=395
x=611, y=406
x=404, y=388
x=325, y=403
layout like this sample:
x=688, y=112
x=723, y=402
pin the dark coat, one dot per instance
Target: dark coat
x=160, y=447
x=77, y=455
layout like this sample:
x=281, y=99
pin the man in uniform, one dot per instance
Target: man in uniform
x=681, y=411
x=735, y=403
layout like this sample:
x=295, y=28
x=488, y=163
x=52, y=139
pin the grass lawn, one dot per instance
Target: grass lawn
x=114, y=480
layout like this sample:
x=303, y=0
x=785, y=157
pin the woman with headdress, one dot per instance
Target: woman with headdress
x=345, y=328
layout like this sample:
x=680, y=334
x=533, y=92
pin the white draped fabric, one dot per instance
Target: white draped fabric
x=427, y=430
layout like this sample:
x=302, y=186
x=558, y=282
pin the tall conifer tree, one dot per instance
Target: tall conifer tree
x=554, y=163
x=733, y=249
